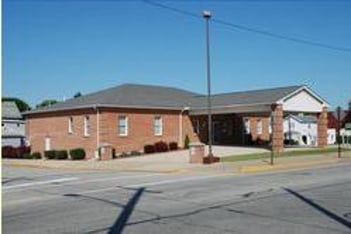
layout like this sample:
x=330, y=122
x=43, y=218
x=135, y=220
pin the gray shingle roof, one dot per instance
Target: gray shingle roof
x=10, y=111
x=262, y=96
x=153, y=97
x=128, y=95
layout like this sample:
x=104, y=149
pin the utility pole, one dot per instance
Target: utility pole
x=338, y=113
x=207, y=16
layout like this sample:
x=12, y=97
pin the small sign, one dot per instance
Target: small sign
x=348, y=126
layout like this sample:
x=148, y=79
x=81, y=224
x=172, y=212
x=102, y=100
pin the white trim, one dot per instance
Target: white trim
x=309, y=91
x=160, y=127
x=120, y=117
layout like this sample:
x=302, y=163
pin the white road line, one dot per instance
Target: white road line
x=39, y=183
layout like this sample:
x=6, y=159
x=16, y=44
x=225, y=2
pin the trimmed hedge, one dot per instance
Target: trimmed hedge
x=77, y=154
x=36, y=155
x=27, y=156
x=61, y=154
x=14, y=152
x=161, y=146
x=149, y=149
x=50, y=154
x=173, y=146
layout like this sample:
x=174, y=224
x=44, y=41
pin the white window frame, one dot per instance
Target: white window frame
x=120, y=117
x=259, y=127
x=160, y=127
x=86, y=125
x=70, y=125
x=247, y=125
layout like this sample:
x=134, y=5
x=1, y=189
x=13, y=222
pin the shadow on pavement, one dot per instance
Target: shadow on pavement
x=321, y=209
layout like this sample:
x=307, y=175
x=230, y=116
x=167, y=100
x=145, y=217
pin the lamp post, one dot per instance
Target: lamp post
x=338, y=114
x=207, y=16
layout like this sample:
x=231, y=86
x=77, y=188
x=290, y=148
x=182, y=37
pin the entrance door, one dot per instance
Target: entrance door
x=216, y=133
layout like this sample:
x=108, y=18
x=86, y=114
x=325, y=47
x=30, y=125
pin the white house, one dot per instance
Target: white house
x=301, y=129
x=12, y=126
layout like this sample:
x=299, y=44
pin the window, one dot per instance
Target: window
x=86, y=126
x=158, y=126
x=123, y=126
x=259, y=126
x=247, y=126
x=196, y=126
x=70, y=125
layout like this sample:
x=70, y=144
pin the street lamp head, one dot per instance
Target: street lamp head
x=206, y=14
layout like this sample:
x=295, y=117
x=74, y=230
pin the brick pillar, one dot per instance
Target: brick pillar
x=277, y=128
x=322, y=128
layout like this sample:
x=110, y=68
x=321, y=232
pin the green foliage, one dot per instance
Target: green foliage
x=50, y=154
x=27, y=156
x=36, y=155
x=22, y=105
x=186, y=142
x=78, y=94
x=48, y=102
x=77, y=154
x=61, y=154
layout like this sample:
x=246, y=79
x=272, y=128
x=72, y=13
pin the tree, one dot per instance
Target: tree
x=22, y=105
x=78, y=94
x=47, y=102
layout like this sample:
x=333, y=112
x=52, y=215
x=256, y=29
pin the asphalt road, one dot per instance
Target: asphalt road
x=53, y=201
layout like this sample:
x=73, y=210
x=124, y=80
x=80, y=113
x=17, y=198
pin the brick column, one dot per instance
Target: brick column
x=322, y=128
x=277, y=128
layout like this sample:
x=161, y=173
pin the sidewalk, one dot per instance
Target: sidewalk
x=153, y=165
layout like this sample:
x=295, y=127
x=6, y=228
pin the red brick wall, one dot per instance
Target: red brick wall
x=55, y=126
x=140, y=129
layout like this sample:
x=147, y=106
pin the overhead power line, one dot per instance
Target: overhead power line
x=252, y=30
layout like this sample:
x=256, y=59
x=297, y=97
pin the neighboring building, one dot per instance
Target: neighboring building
x=129, y=116
x=301, y=128
x=345, y=121
x=12, y=126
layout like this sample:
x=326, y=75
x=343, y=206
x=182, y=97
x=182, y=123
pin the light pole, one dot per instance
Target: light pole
x=207, y=16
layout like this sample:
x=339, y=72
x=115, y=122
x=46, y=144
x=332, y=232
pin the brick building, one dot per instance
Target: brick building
x=129, y=116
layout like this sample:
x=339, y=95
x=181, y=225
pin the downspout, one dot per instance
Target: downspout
x=97, y=155
x=180, y=140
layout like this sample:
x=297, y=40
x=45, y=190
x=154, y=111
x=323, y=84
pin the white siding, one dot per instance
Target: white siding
x=302, y=102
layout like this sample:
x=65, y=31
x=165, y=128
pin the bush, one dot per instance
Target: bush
x=21, y=150
x=134, y=153
x=149, y=149
x=8, y=152
x=186, y=142
x=77, y=154
x=50, y=154
x=36, y=155
x=173, y=146
x=161, y=146
x=123, y=155
x=61, y=154
x=27, y=156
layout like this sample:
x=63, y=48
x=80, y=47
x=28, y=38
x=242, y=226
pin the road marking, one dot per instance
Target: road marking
x=39, y=183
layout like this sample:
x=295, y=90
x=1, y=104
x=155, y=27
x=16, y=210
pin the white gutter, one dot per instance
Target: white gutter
x=180, y=139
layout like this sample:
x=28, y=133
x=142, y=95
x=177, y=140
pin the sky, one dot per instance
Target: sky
x=53, y=49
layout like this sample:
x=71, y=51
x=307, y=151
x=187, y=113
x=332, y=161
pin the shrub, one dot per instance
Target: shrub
x=161, y=146
x=134, y=153
x=123, y=155
x=27, y=156
x=77, y=154
x=8, y=152
x=36, y=155
x=21, y=150
x=50, y=154
x=173, y=146
x=149, y=149
x=61, y=154
x=186, y=142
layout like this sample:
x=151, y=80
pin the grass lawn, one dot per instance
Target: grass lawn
x=255, y=156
